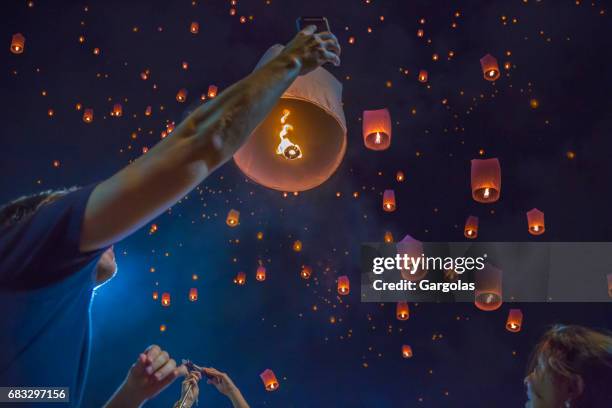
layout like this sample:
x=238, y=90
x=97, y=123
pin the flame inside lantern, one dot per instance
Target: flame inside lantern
x=286, y=148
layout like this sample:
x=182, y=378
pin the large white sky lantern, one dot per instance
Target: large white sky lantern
x=302, y=141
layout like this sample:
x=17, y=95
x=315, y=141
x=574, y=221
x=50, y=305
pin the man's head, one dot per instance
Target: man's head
x=21, y=209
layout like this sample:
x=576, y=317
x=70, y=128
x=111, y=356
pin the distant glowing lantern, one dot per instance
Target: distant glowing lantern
x=269, y=380
x=260, y=275
x=388, y=202
x=302, y=141
x=155, y=295
x=297, y=246
x=148, y=111
x=377, y=129
x=117, y=110
x=88, y=115
x=181, y=95
x=344, y=286
x=240, y=278
x=471, y=227
x=402, y=311
x=194, y=28
x=165, y=300
x=406, y=351
x=535, y=222
x=413, y=249
x=306, y=272
x=260, y=235
x=420, y=33
x=423, y=76
x=162, y=328
x=399, y=176
x=212, y=91
x=515, y=320
x=193, y=294
x=488, y=293
x=233, y=217
x=486, y=180
x=17, y=43
x=609, y=284
x=490, y=69
x=388, y=237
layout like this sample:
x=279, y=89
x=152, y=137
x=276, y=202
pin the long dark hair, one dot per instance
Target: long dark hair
x=23, y=207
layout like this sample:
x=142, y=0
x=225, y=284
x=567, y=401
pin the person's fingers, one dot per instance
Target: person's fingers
x=160, y=361
x=309, y=30
x=328, y=56
x=166, y=369
x=332, y=46
x=168, y=379
x=140, y=364
x=182, y=370
x=325, y=36
x=152, y=352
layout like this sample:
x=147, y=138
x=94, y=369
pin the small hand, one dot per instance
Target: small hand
x=193, y=392
x=220, y=380
x=312, y=49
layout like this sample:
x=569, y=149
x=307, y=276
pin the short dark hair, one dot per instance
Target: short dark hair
x=23, y=207
x=569, y=350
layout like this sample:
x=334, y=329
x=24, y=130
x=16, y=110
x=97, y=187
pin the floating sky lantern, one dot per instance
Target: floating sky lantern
x=148, y=111
x=260, y=275
x=402, y=311
x=181, y=95
x=406, y=351
x=306, y=272
x=376, y=128
x=514, y=321
x=420, y=33
x=423, y=76
x=344, y=286
x=88, y=115
x=297, y=246
x=269, y=380
x=194, y=28
x=535, y=221
x=470, y=230
x=388, y=237
x=240, y=278
x=193, y=294
x=117, y=110
x=155, y=295
x=413, y=249
x=388, y=202
x=212, y=91
x=302, y=141
x=486, y=180
x=399, y=176
x=490, y=69
x=233, y=218
x=165, y=300
x=17, y=43
x=162, y=328
x=488, y=293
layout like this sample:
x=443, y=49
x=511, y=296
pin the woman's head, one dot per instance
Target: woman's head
x=571, y=367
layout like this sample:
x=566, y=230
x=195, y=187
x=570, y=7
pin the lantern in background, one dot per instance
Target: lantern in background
x=535, y=221
x=490, y=69
x=297, y=246
x=212, y=91
x=376, y=129
x=260, y=275
x=423, y=76
x=148, y=111
x=194, y=28
x=240, y=278
x=306, y=272
x=162, y=328
x=388, y=201
x=155, y=295
x=269, y=380
x=488, y=293
x=402, y=312
x=515, y=320
x=17, y=43
x=406, y=351
x=486, y=180
x=471, y=227
x=399, y=176
x=233, y=217
x=181, y=95
x=344, y=286
x=302, y=141
x=412, y=249
x=117, y=110
x=193, y=294
x=388, y=237
x=610, y=285
x=88, y=115
x=165, y=300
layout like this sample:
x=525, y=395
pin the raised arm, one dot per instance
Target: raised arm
x=200, y=144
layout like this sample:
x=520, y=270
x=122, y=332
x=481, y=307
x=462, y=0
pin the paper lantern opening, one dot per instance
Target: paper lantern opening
x=17, y=43
x=406, y=351
x=388, y=201
x=488, y=293
x=260, y=275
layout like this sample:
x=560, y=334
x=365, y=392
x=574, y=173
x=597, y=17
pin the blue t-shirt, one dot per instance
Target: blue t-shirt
x=46, y=285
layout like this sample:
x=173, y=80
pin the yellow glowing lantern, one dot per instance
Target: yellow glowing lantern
x=402, y=311
x=17, y=43
x=306, y=272
x=399, y=176
x=514, y=321
x=240, y=278
x=155, y=295
x=344, y=286
x=193, y=294
x=406, y=351
x=420, y=33
x=117, y=110
x=181, y=95
x=88, y=115
x=486, y=180
x=376, y=126
x=212, y=91
x=490, y=69
x=302, y=141
x=297, y=246
x=488, y=293
x=194, y=28
x=388, y=202
x=162, y=328
x=412, y=248
x=423, y=76
x=165, y=300
x=260, y=275
x=148, y=111
x=388, y=237
x=233, y=217
x=535, y=222
x=269, y=380
x=470, y=230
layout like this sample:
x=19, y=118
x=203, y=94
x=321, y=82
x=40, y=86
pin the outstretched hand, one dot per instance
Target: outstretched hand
x=312, y=49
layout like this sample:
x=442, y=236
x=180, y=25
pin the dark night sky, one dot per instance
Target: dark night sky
x=559, y=55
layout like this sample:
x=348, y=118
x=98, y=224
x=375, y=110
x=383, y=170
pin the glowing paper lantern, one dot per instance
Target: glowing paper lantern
x=233, y=217
x=297, y=246
x=117, y=110
x=155, y=295
x=148, y=111
x=306, y=272
x=388, y=237
x=471, y=227
x=344, y=286
x=88, y=115
x=303, y=140
x=165, y=300
x=412, y=248
x=193, y=294
x=240, y=278
x=269, y=380
x=388, y=201
x=486, y=180
x=212, y=91
x=515, y=320
x=406, y=351
x=260, y=275
x=376, y=129
x=181, y=95
x=194, y=28
x=488, y=293
x=535, y=221
x=399, y=176
x=162, y=328
x=423, y=76
x=490, y=69
x=17, y=43
x=402, y=312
